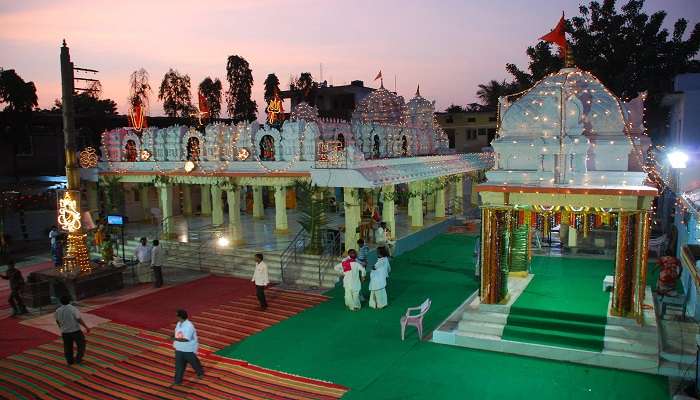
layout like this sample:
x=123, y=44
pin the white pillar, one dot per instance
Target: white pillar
x=258, y=206
x=217, y=209
x=233, y=197
x=166, y=206
x=389, y=209
x=187, y=199
x=352, y=217
x=281, y=209
x=206, y=199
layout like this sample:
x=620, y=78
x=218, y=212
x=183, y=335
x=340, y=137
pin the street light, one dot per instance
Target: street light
x=678, y=159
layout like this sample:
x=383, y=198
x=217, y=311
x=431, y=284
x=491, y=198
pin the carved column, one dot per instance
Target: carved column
x=415, y=204
x=440, y=203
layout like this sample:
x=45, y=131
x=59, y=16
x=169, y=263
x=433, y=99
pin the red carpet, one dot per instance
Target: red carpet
x=157, y=310
x=127, y=363
x=239, y=318
x=15, y=337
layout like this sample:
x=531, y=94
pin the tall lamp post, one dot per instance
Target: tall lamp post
x=77, y=258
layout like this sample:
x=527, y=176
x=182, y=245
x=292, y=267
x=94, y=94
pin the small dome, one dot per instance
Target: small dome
x=589, y=108
x=304, y=111
x=420, y=110
x=381, y=106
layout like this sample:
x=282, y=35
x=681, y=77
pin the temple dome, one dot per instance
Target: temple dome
x=589, y=108
x=381, y=106
x=304, y=111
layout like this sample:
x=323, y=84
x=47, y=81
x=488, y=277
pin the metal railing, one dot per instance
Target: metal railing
x=300, y=241
x=331, y=251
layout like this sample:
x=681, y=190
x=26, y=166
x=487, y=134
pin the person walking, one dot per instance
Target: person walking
x=261, y=279
x=53, y=234
x=186, y=344
x=353, y=273
x=16, y=286
x=143, y=255
x=69, y=321
x=157, y=257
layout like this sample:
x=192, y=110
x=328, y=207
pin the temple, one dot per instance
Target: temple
x=567, y=194
x=390, y=155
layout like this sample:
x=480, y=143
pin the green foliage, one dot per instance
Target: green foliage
x=113, y=193
x=240, y=107
x=175, y=94
x=454, y=108
x=162, y=180
x=272, y=86
x=211, y=90
x=489, y=93
x=18, y=95
x=626, y=48
x=313, y=210
x=304, y=87
x=139, y=88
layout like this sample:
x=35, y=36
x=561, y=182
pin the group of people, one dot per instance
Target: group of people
x=353, y=269
x=150, y=262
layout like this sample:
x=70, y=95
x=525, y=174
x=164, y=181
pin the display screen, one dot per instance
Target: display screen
x=115, y=220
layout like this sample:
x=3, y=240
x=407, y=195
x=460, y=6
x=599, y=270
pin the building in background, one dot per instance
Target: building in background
x=468, y=131
x=332, y=101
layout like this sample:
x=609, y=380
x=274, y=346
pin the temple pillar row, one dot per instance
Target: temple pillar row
x=415, y=204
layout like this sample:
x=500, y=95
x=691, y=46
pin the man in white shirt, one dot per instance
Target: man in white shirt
x=186, y=344
x=157, y=263
x=143, y=255
x=261, y=279
x=353, y=273
x=69, y=321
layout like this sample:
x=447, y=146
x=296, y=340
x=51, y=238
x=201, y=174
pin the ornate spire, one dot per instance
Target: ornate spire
x=418, y=90
x=569, y=58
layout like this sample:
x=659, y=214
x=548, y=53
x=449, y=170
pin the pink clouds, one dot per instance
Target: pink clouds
x=449, y=47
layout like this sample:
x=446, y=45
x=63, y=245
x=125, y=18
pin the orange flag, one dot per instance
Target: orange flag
x=379, y=75
x=557, y=36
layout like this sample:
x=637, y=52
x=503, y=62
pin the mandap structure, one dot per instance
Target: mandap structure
x=569, y=154
x=386, y=144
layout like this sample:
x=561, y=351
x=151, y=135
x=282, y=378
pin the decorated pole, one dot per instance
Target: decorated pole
x=77, y=257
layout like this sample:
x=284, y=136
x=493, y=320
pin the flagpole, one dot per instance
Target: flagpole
x=395, y=84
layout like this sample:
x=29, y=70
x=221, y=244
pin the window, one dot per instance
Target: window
x=471, y=119
x=492, y=119
x=451, y=137
x=449, y=119
x=471, y=133
x=482, y=131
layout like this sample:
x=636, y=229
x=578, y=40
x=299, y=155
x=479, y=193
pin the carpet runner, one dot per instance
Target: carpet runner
x=563, y=305
x=239, y=318
x=127, y=363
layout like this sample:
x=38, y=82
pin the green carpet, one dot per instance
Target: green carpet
x=563, y=305
x=363, y=350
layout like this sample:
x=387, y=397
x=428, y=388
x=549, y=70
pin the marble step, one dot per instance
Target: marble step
x=480, y=328
x=491, y=317
x=632, y=332
x=631, y=345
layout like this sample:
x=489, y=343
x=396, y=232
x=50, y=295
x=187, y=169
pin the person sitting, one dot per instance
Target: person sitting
x=668, y=275
x=353, y=274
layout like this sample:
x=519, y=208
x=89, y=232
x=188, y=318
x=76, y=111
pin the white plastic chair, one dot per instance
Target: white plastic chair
x=415, y=320
x=657, y=245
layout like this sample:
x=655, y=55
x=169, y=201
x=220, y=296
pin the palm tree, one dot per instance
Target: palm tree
x=489, y=93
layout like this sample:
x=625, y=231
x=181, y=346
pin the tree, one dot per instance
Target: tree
x=240, y=79
x=304, y=87
x=272, y=86
x=454, y=108
x=313, y=210
x=489, y=93
x=474, y=107
x=139, y=88
x=211, y=91
x=20, y=99
x=18, y=95
x=175, y=94
x=628, y=50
